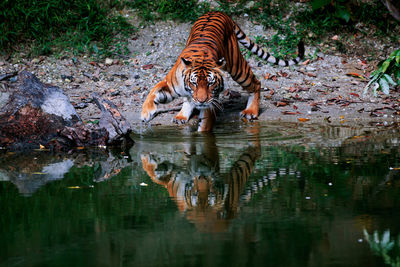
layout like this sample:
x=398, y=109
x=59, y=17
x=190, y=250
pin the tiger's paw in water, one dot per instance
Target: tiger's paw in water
x=248, y=115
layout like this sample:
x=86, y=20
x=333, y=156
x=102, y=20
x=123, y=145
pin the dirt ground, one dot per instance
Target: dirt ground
x=326, y=88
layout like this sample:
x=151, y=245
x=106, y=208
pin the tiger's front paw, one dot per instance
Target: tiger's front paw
x=148, y=111
x=249, y=114
x=180, y=119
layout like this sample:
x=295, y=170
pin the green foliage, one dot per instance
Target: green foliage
x=381, y=79
x=181, y=10
x=284, y=41
x=339, y=9
x=383, y=246
x=232, y=8
x=76, y=24
x=315, y=20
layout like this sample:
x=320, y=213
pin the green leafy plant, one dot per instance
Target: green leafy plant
x=340, y=8
x=384, y=246
x=181, y=10
x=49, y=25
x=381, y=79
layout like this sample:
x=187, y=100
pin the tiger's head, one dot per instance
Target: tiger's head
x=204, y=82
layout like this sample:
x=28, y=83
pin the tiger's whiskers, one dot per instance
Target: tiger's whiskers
x=216, y=105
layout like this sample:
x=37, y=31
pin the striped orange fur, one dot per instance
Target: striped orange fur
x=212, y=47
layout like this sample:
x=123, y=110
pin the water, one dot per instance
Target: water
x=248, y=195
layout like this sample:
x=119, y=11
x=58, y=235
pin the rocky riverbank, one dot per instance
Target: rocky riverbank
x=325, y=88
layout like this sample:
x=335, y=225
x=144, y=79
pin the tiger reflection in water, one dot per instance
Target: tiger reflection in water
x=206, y=197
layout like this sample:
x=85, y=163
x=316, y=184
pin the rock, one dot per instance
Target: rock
x=67, y=78
x=34, y=114
x=81, y=105
x=113, y=121
x=250, y=5
x=109, y=61
x=129, y=83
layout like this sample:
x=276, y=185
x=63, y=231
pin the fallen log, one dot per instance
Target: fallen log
x=37, y=115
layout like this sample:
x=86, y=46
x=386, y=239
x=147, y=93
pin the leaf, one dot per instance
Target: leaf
x=317, y=4
x=376, y=86
x=389, y=79
x=385, y=237
x=366, y=235
x=354, y=74
x=281, y=104
x=384, y=86
x=303, y=119
x=398, y=58
x=343, y=14
x=290, y=112
x=372, y=81
x=397, y=76
x=148, y=66
x=385, y=66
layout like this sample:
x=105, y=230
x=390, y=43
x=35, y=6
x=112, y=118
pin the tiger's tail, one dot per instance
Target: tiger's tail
x=261, y=53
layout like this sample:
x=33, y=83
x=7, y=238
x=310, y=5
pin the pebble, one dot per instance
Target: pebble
x=109, y=61
x=115, y=93
x=35, y=61
x=81, y=105
x=129, y=83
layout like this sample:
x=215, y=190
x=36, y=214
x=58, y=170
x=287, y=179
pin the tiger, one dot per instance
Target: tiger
x=208, y=198
x=197, y=76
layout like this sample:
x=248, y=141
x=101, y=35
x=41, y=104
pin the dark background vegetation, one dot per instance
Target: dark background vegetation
x=100, y=27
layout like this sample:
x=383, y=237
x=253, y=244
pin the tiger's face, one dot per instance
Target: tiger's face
x=204, y=82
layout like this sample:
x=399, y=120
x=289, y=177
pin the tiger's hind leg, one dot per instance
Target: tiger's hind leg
x=160, y=94
x=243, y=75
x=253, y=102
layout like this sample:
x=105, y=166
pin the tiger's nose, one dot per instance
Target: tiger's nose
x=202, y=96
x=202, y=100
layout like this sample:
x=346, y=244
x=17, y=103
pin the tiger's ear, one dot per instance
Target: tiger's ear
x=221, y=63
x=186, y=63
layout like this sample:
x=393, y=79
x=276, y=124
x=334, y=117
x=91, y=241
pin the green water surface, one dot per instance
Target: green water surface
x=246, y=195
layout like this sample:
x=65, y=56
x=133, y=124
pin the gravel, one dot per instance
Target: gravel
x=325, y=90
